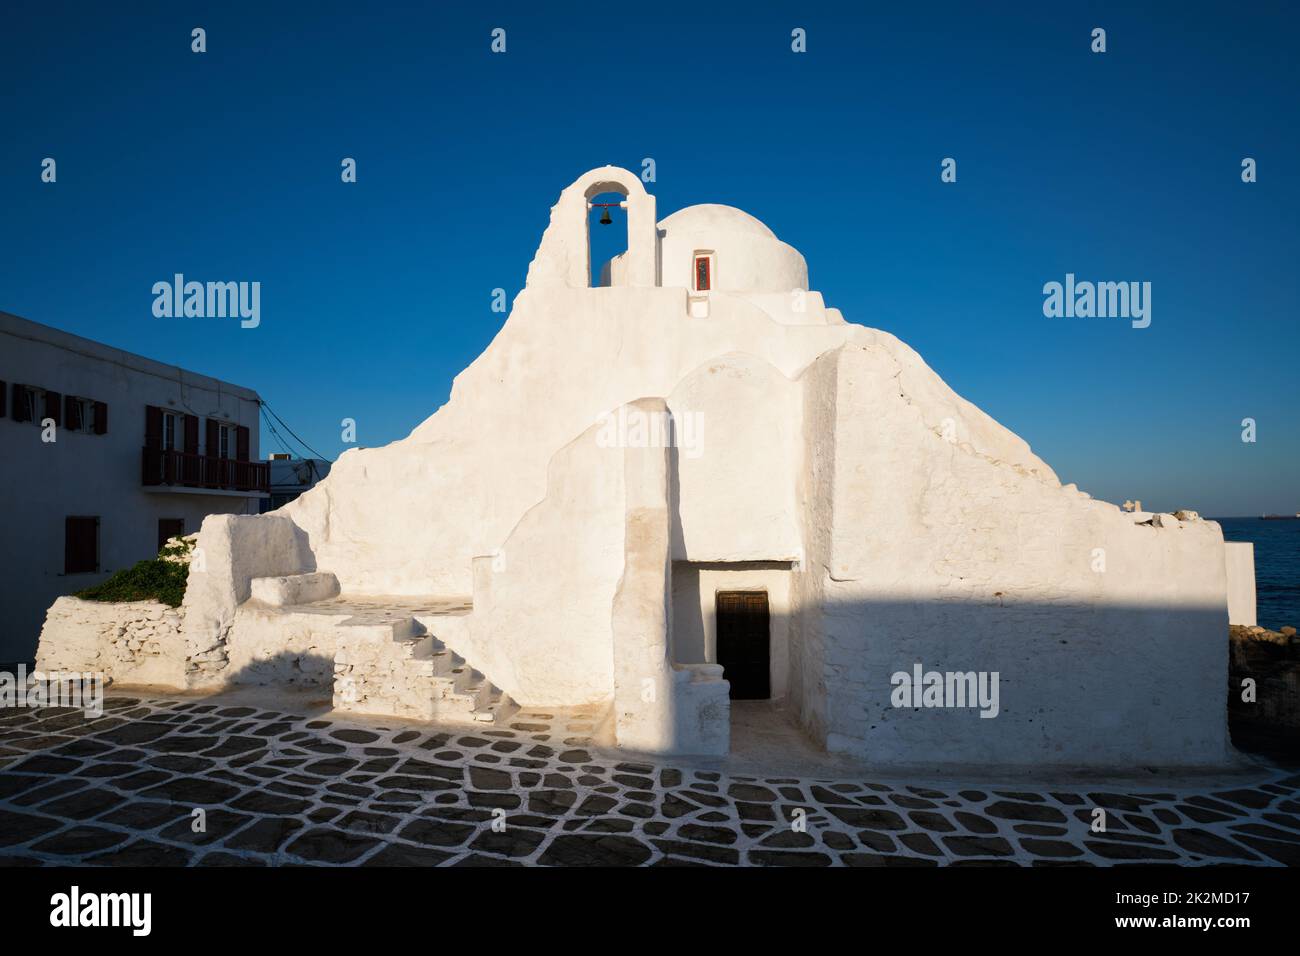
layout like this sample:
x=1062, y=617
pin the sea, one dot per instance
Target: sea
x=1277, y=566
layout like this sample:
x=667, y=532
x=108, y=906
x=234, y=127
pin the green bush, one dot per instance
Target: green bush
x=155, y=580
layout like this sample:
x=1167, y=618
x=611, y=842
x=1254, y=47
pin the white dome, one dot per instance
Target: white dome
x=717, y=219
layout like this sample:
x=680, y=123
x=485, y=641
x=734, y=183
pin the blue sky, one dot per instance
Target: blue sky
x=1120, y=166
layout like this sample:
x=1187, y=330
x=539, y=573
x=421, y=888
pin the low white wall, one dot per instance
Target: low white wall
x=1239, y=561
x=266, y=645
x=131, y=642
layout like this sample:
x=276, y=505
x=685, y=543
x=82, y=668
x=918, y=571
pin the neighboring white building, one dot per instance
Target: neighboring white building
x=141, y=451
x=698, y=482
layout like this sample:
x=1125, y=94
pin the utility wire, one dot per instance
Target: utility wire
x=293, y=433
x=279, y=441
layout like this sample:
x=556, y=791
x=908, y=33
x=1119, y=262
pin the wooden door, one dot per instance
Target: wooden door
x=744, y=643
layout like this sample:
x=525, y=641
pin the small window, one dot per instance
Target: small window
x=80, y=545
x=223, y=441
x=703, y=273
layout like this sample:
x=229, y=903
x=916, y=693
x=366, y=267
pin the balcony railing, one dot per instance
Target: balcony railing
x=178, y=468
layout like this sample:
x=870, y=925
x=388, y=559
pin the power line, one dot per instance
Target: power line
x=293, y=433
x=279, y=441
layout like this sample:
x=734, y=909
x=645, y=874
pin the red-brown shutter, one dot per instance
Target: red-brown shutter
x=101, y=418
x=20, y=403
x=80, y=545
x=54, y=407
x=153, y=427
x=72, y=414
x=241, y=443
x=191, y=434
x=213, y=437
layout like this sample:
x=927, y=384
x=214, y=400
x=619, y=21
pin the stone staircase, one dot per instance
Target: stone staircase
x=388, y=663
x=459, y=691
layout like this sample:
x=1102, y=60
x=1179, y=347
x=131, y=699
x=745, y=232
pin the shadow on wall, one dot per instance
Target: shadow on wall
x=288, y=668
x=1002, y=682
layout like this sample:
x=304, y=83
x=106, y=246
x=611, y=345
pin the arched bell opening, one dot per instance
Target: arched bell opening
x=607, y=237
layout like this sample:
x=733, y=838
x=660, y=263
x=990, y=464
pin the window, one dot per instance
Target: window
x=30, y=403
x=703, y=270
x=80, y=545
x=223, y=447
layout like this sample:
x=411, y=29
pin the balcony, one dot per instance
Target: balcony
x=178, y=471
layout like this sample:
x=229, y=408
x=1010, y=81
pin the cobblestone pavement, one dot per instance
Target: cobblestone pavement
x=281, y=789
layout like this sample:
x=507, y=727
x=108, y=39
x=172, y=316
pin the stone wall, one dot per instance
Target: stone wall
x=1272, y=660
x=132, y=642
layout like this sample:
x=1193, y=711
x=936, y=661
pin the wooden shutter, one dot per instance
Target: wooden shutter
x=101, y=418
x=191, y=434
x=153, y=426
x=4, y=394
x=241, y=443
x=80, y=545
x=54, y=407
x=20, y=411
x=213, y=439
x=72, y=414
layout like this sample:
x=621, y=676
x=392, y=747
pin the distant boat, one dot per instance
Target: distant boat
x=1278, y=517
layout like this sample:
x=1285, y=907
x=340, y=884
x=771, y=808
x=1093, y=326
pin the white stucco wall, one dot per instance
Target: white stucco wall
x=540, y=628
x=507, y=414
x=941, y=555
x=1239, y=559
x=738, y=425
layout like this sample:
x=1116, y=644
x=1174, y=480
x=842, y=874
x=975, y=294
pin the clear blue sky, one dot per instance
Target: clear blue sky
x=1122, y=166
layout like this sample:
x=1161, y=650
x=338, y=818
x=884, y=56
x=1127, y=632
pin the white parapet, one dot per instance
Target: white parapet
x=1239, y=557
x=295, y=588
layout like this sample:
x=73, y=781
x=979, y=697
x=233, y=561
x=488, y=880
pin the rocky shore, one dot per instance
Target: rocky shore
x=1264, y=678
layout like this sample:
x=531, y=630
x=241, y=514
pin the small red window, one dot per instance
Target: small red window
x=702, y=273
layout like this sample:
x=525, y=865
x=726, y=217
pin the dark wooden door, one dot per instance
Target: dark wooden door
x=744, y=643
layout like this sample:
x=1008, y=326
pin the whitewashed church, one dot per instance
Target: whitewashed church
x=696, y=483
